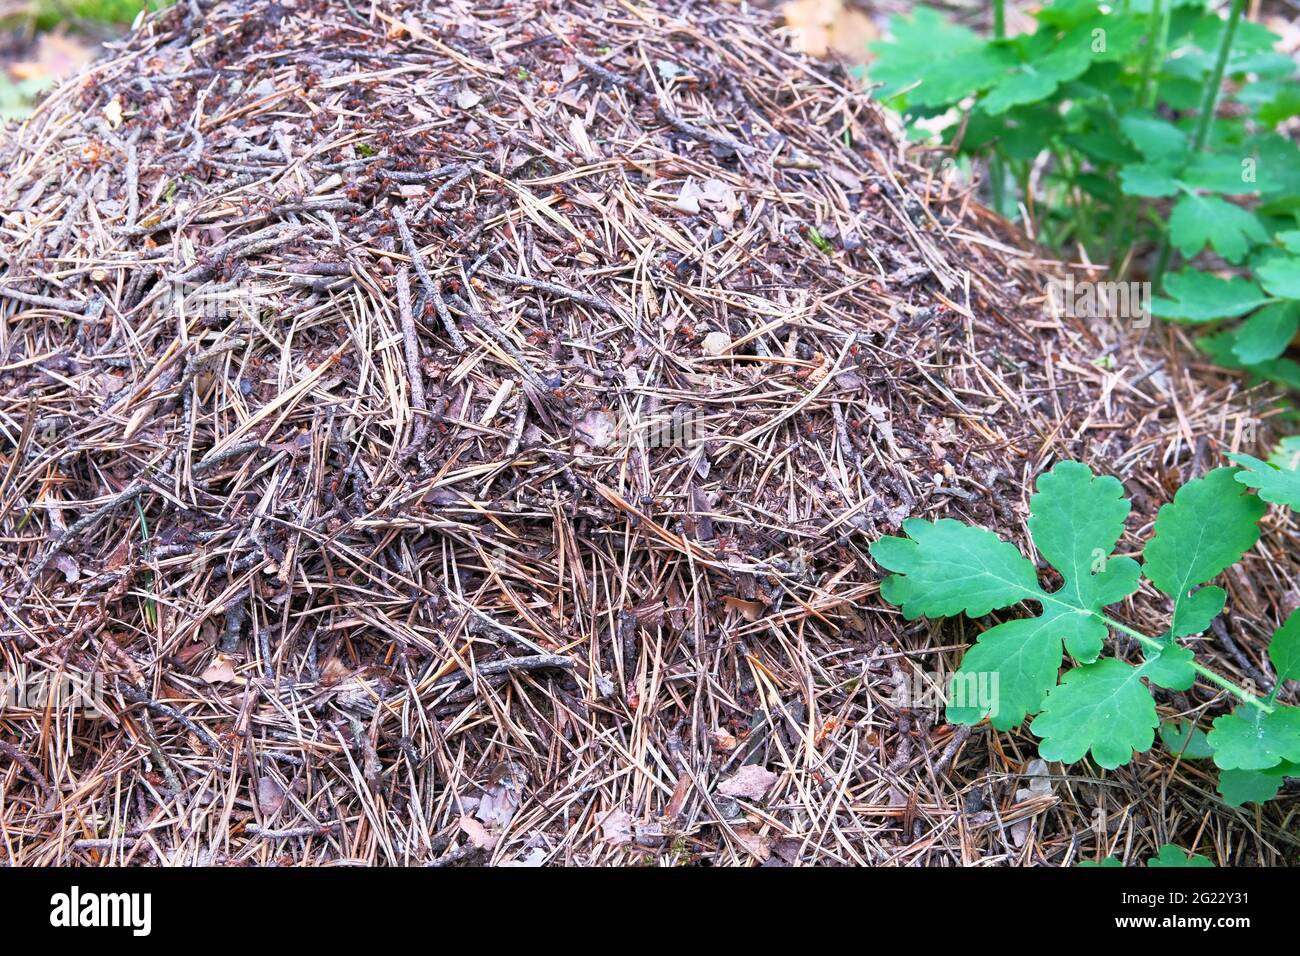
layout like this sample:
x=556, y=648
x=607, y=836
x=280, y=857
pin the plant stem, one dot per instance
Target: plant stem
x=1156, y=28
x=1209, y=103
x=998, y=182
x=1210, y=99
x=997, y=167
x=1150, y=643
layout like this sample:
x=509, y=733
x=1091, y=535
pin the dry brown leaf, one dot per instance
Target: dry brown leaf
x=750, y=610
x=758, y=846
x=723, y=742
x=751, y=781
x=220, y=671
x=270, y=795
x=828, y=26
x=616, y=827
x=478, y=834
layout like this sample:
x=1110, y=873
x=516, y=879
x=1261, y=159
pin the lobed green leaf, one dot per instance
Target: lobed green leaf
x=1281, y=486
x=1250, y=739
x=1208, y=526
x=1170, y=856
x=1101, y=708
x=1198, y=221
x=1192, y=296
x=1267, y=333
x=946, y=567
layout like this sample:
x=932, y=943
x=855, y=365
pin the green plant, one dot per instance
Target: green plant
x=49, y=13
x=1145, y=125
x=1104, y=706
x=16, y=97
x=1168, y=856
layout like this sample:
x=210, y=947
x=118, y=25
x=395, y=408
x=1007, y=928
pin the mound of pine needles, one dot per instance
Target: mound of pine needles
x=443, y=433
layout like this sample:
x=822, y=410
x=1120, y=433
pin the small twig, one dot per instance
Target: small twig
x=132, y=184
x=553, y=288
x=292, y=832
x=1244, y=662
x=492, y=668
x=138, y=696
x=42, y=301
x=413, y=373
x=412, y=250
x=20, y=758
x=959, y=737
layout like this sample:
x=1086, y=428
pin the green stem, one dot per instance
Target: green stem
x=997, y=167
x=1073, y=194
x=1209, y=104
x=1151, y=644
x=1157, y=28
x=998, y=181
x=1210, y=101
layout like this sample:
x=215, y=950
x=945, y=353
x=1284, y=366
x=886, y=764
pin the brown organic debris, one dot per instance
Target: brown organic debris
x=448, y=433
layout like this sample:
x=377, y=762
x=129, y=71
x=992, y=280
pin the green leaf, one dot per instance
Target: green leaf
x=1249, y=739
x=1284, y=651
x=1267, y=333
x=1238, y=787
x=1281, y=156
x=1066, y=14
x=1282, y=107
x=1122, y=36
x=917, y=43
x=1281, y=370
x=1076, y=520
x=931, y=63
x=1155, y=139
x=1185, y=739
x=1230, y=175
x=946, y=568
x=1281, y=486
x=1281, y=277
x=1101, y=708
x=1025, y=656
x=1198, y=220
x=1151, y=180
x=1044, y=64
x=1108, y=863
x=1171, y=855
x=1171, y=668
x=1193, y=296
x=1255, y=749
x=1248, y=38
x=1019, y=88
x=1287, y=454
x=1208, y=526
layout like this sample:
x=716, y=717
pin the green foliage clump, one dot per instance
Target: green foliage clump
x=123, y=12
x=1102, y=706
x=1155, y=125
